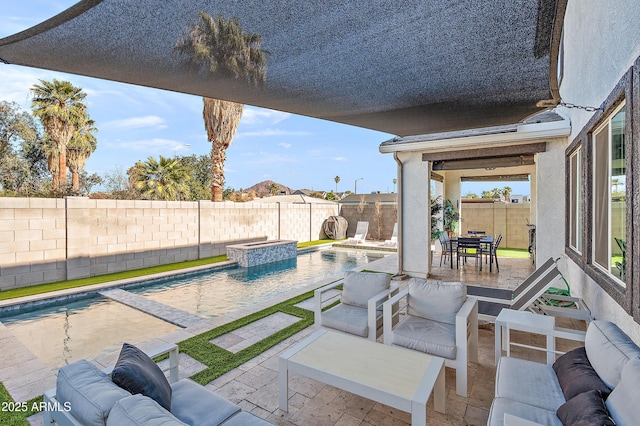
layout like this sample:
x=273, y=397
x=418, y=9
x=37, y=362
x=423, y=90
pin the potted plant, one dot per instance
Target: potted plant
x=436, y=208
x=450, y=218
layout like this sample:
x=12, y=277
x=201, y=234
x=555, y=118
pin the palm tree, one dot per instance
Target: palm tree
x=219, y=46
x=274, y=188
x=166, y=179
x=50, y=152
x=506, y=192
x=82, y=144
x=59, y=105
x=337, y=180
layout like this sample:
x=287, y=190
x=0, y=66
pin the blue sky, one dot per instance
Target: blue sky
x=137, y=122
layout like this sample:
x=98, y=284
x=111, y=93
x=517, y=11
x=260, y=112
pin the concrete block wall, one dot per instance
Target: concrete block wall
x=477, y=217
x=48, y=240
x=32, y=241
x=517, y=219
x=388, y=218
x=510, y=220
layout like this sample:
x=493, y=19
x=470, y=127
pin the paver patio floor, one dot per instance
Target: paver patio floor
x=254, y=385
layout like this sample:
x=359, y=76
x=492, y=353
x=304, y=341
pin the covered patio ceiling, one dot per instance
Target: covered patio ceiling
x=415, y=67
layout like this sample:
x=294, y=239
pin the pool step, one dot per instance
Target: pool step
x=159, y=310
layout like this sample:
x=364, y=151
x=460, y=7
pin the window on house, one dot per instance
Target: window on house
x=575, y=203
x=609, y=195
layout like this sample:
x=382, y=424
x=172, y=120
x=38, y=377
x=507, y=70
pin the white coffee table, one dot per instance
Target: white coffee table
x=397, y=377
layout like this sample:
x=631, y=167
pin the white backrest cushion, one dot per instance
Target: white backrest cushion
x=436, y=300
x=624, y=402
x=359, y=287
x=609, y=349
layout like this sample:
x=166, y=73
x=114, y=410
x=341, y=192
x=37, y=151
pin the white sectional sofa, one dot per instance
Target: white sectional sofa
x=85, y=395
x=597, y=384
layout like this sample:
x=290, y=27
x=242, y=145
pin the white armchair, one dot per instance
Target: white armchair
x=360, y=309
x=436, y=318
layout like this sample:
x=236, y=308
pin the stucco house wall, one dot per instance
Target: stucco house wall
x=601, y=42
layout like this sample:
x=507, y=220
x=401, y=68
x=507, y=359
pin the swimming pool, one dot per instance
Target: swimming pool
x=216, y=294
x=86, y=328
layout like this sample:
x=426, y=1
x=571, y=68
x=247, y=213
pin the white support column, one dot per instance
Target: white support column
x=416, y=235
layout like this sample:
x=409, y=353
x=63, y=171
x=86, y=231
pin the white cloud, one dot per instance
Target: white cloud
x=271, y=132
x=16, y=82
x=285, y=145
x=151, y=146
x=340, y=159
x=252, y=116
x=137, y=122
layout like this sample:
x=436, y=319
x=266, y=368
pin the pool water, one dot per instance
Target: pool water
x=215, y=294
x=64, y=333
x=83, y=329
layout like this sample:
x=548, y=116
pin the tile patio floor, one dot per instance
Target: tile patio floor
x=254, y=385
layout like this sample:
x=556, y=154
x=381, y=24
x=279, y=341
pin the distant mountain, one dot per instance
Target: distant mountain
x=263, y=189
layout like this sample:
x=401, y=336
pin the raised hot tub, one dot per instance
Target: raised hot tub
x=258, y=253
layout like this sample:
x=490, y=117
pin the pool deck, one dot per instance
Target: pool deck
x=254, y=385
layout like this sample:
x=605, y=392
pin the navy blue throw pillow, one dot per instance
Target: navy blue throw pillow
x=137, y=373
x=585, y=409
x=576, y=375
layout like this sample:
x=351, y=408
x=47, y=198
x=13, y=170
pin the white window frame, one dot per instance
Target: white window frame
x=595, y=132
x=576, y=220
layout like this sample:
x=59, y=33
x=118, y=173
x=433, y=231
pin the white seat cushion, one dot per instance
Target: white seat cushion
x=347, y=318
x=140, y=410
x=194, y=404
x=432, y=337
x=500, y=406
x=528, y=382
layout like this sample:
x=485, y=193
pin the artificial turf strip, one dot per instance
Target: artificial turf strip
x=99, y=279
x=220, y=361
x=513, y=253
x=16, y=415
x=316, y=243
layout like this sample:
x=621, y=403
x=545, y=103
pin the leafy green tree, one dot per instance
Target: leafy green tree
x=119, y=185
x=166, y=179
x=227, y=193
x=87, y=181
x=60, y=106
x=22, y=163
x=200, y=170
x=471, y=195
x=215, y=46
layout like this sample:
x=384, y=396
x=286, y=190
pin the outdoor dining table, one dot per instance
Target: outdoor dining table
x=487, y=240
